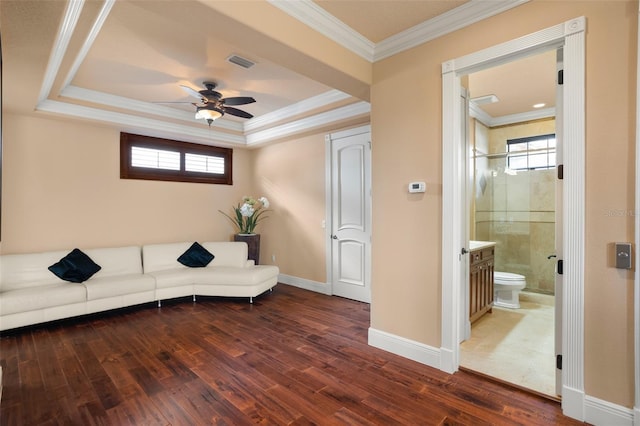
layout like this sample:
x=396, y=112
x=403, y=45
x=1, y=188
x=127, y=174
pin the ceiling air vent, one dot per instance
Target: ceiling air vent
x=244, y=63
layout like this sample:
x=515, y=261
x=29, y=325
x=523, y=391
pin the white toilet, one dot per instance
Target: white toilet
x=506, y=289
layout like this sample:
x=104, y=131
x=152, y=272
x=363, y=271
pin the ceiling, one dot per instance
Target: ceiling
x=121, y=63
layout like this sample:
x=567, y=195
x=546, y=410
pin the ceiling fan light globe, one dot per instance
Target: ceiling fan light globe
x=209, y=113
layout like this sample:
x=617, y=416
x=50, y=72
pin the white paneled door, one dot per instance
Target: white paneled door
x=351, y=215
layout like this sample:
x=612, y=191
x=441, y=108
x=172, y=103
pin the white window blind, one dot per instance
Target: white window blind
x=204, y=163
x=155, y=158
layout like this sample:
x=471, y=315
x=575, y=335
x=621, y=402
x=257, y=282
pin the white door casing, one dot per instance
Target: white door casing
x=349, y=227
x=569, y=35
x=559, y=251
x=636, y=409
x=468, y=172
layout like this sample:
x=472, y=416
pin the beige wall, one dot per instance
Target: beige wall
x=62, y=189
x=292, y=176
x=407, y=237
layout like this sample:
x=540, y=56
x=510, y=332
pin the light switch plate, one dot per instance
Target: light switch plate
x=623, y=255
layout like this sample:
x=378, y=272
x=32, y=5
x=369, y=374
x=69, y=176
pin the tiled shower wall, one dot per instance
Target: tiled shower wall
x=516, y=211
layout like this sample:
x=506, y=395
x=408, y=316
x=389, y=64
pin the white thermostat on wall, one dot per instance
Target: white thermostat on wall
x=417, y=187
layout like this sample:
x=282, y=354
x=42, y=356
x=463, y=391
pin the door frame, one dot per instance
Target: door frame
x=636, y=409
x=328, y=222
x=569, y=35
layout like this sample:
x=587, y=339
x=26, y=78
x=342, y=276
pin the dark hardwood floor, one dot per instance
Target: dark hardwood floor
x=293, y=357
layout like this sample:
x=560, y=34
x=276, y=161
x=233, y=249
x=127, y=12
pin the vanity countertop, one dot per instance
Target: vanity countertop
x=477, y=245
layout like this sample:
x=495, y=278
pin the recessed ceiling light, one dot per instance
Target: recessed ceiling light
x=540, y=105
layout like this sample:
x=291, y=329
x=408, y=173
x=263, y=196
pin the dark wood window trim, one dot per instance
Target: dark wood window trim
x=127, y=171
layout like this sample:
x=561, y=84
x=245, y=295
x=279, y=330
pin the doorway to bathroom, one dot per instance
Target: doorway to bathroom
x=512, y=215
x=569, y=36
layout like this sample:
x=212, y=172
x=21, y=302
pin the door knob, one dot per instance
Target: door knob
x=335, y=237
x=464, y=251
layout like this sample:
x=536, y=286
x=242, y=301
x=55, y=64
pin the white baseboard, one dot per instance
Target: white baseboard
x=404, y=347
x=303, y=283
x=447, y=363
x=600, y=412
x=573, y=403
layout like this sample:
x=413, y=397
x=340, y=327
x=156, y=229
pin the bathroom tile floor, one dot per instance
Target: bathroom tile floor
x=515, y=345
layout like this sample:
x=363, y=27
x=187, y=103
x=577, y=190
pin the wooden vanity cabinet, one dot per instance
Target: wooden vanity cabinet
x=480, y=282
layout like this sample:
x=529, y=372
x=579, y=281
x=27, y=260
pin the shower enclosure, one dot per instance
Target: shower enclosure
x=514, y=203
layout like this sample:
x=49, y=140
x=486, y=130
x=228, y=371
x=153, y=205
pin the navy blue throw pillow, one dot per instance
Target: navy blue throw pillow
x=75, y=267
x=196, y=256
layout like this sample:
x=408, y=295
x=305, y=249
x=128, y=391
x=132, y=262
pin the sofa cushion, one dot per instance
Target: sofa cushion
x=174, y=277
x=35, y=298
x=117, y=260
x=228, y=253
x=18, y=271
x=226, y=275
x=196, y=256
x=162, y=257
x=75, y=267
x=104, y=287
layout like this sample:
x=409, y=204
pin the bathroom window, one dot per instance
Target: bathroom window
x=532, y=153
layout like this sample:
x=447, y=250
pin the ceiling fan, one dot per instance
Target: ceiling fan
x=213, y=105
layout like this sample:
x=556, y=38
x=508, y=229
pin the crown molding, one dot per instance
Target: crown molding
x=114, y=101
x=455, y=19
x=190, y=133
x=301, y=107
x=151, y=127
x=523, y=116
x=476, y=112
x=60, y=45
x=88, y=42
x=309, y=123
x=479, y=114
x=309, y=13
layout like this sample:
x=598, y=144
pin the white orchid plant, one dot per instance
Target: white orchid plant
x=248, y=213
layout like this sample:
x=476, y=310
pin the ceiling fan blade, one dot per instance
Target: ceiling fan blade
x=237, y=112
x=191, y=92
x=238, y=100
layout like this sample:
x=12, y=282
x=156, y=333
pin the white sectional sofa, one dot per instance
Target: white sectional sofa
x=30, y=293
x=230, y=273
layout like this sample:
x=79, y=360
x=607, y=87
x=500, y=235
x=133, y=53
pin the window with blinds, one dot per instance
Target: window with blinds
x=532, y=153
x=145, y=157
x=155, y=158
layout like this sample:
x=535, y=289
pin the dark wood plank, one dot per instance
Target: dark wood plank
x=294, y=357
